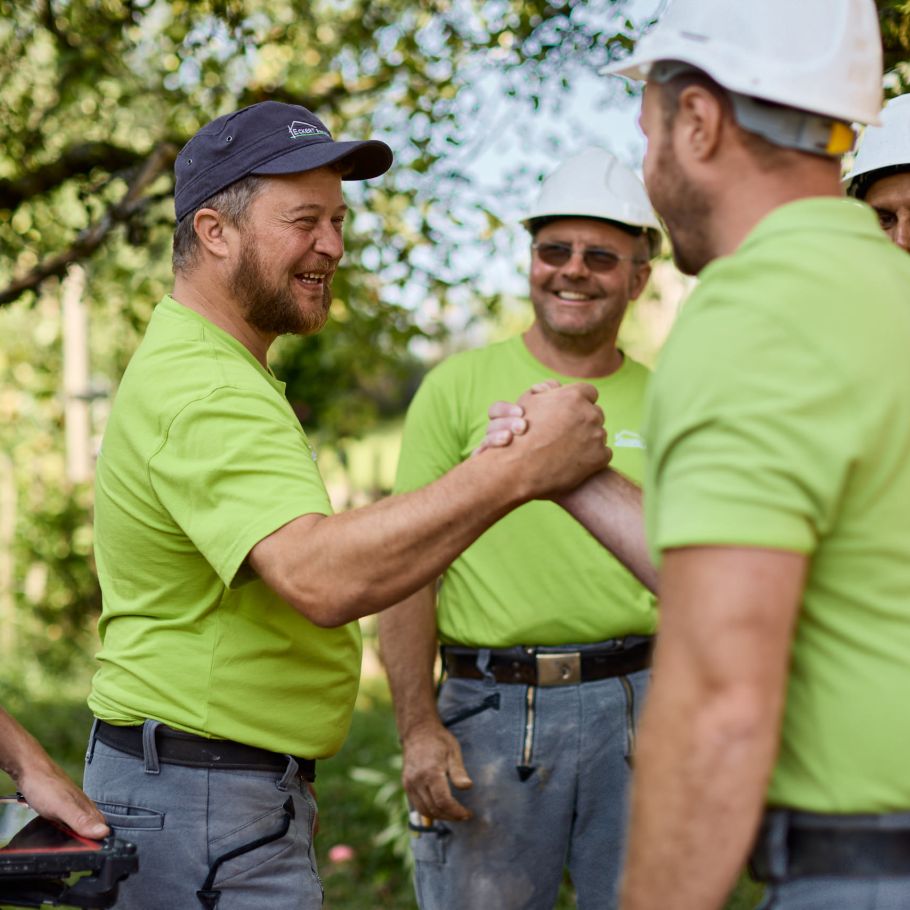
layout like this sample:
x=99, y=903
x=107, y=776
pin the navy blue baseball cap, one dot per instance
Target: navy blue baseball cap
x=266, y=138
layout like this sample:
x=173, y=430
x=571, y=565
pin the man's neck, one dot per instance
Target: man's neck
x=737, y=213
x=577, y=360
x=210, y=301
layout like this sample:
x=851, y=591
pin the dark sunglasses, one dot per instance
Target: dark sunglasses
x=595, y=259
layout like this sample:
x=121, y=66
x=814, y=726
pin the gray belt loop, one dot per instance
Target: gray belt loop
x=90, y=748
x=778, y=854
x=290, y=772
x=149, y=749
x=483, y=665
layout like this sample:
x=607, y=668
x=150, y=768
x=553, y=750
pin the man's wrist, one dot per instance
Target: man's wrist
x=502, y=475
x=419, y=727
x=24, y=756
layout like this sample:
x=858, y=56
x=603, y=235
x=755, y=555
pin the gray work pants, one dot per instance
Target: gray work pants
x=185, y=819
x=839, y=894
x=551, y=769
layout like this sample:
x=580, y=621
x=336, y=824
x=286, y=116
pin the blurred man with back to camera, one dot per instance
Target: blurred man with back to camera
x=778, y=479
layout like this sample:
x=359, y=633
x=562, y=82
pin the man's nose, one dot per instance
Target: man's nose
x=575, y=267
x=329, y=242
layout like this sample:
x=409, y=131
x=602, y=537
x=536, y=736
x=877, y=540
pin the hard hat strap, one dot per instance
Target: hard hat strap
x=792, y=128
x=785, y=126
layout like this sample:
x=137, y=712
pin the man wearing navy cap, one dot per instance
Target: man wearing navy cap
x=230, y=649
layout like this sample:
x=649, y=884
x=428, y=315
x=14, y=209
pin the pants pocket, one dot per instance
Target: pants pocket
x=490, y=702
x=253, y=843
x=429, y=846
x=126, y=817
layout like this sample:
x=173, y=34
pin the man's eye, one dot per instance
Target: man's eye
x=886, y=219
x=603, y=258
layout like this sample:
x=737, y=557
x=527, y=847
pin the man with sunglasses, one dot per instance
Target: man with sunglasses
x=546, y=638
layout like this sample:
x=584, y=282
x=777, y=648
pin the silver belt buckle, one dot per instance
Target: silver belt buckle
x=559, y=669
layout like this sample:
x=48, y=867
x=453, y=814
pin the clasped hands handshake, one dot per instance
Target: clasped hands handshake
x=560, y=430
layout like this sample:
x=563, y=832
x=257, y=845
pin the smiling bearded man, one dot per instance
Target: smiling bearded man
x=230, y=649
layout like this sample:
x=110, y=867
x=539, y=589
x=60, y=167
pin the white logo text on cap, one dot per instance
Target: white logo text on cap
x=299, y=129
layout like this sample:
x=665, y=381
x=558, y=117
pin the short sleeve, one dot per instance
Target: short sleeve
x=749, y=435
x=431, y=442
x=233, y=468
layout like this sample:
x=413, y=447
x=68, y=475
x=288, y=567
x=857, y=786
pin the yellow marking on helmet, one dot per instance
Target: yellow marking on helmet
x=841, y=139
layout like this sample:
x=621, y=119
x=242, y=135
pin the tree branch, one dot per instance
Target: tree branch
x=161, y=158
x=77, y=159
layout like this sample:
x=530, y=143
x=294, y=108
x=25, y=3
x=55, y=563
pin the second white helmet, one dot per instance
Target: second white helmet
x=596, y=184
x=882, y=147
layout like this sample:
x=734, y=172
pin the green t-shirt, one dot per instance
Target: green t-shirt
x=536, y=577
x=779, y=417
x=202, y=458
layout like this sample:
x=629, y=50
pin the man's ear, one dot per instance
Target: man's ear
x=213, y=232
x=639, y=279
x=699, y=122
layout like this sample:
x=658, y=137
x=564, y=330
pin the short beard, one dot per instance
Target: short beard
x=581, y=341
x=685, y=212
x=271, y=309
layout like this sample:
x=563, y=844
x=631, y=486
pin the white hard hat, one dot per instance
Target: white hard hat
x=885, y=146
x=822, y=56
x=596, y=184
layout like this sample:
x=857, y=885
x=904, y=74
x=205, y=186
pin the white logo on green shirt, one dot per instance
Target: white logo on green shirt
x=627, y=439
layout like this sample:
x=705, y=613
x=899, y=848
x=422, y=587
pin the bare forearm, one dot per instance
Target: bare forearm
x=407, y=645
x=43, y=783
x=609, y=505
x=700, y=778
x=432, y=762
x=345, y=566
x=711, y=725
x=395, y=546
x=19, y=750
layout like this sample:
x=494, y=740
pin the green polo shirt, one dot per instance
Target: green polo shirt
x=202, y=458
x=779, y=417
x=536, y=577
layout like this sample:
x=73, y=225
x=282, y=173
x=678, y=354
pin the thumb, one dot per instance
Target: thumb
x=456, y=771
x=586, y=389
x=89, y=824
x=96, y=830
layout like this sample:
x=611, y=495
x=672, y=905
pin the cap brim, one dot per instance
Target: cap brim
x=367, y=158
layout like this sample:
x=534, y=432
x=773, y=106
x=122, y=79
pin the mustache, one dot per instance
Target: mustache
x=322, y=267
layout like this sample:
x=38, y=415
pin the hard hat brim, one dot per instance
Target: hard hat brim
x=632, y=68
x=637, y=68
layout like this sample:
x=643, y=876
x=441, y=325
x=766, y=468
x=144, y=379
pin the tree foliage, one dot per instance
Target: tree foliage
x=99, y=95
x=894, y=16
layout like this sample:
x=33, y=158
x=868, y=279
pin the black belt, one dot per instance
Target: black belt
x=799, y=844
x=548, y=667
x=178, y=748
